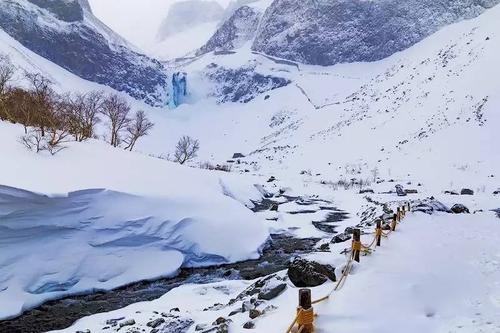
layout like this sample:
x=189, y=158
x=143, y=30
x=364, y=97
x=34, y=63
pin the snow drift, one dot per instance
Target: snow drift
x=154, y=218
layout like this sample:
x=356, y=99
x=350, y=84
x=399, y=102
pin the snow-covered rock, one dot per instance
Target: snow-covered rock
x=68, y=34
x=242, y=84
x=327, y=32
x=234, y=32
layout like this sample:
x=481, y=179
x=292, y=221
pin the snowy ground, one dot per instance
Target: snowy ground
x=56, y=242
x=437, y=273
x=426, y=115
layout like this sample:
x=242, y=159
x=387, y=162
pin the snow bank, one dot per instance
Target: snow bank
x=152, y=218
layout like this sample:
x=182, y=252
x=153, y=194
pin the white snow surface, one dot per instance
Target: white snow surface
x=437, y=273
x=153, y=217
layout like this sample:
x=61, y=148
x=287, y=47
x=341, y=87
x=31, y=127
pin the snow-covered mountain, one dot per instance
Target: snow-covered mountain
x=68, y=34
x=327, y=32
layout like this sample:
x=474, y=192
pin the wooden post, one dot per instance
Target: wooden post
x=394, y=222
x=409, y=206
x=356, y=237
x=398, y=217
x=305, y=304
x=378, y=232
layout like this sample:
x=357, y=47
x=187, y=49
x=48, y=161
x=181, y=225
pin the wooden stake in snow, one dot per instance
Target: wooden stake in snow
x=305, y=316
x=394, y=222
x=356, y=244
x=378, y=232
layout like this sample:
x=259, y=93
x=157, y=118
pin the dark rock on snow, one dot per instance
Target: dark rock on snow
x=305, y=273
x=238, y=155
x=400, y=191
x=155, y=323
x=241, y=84
x=429, y=206
x=466, y=191
x=340, y=238
x=460, y=209
x=249, y=325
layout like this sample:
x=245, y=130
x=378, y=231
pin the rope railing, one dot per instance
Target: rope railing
x=304, y=318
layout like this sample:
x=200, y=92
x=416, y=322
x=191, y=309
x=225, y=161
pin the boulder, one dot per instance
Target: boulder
x=400, y=191
x=254, y=313
x=451, y=192
x=306, y=273
x=128, y=322
x=249, y=325
x=430, y=206
x=340, y=238
x=460, y=209
x=238, y=155
x=366, y=190
x=466, y=191
x=271, y=291
x=155, y=323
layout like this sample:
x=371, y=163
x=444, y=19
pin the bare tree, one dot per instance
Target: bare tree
x=7, y=71
x=186, y=149
x=18, y=108
x=116, y=109
x=34, y=140
x=89, y=119
x=43, y=99
x=82, y=111
x=138, y=127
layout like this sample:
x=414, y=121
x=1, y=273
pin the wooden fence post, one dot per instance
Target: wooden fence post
x=394, y=222
x=378, y=232
x=356, y=244
x=305, y=304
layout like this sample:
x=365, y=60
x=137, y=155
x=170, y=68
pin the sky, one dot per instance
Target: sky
x=136, y=20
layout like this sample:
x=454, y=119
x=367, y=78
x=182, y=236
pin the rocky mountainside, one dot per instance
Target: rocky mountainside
x=327, y=32
x=68, y=34
x=234, y=32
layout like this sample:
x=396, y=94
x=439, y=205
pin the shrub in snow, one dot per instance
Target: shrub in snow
x=186, y=149
x=34, y=140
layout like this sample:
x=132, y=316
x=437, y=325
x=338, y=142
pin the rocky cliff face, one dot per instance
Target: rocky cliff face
x=240, y=85
x=66, y=33
x=238, y=29
x=326, y=32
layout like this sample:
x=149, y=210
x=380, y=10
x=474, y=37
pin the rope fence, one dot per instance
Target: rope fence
x=304, y=318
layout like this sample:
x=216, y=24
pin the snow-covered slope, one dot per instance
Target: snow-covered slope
x=336, y=31
x=447, y=284
x=431, y=105
x=238, y=28
x=152, y=218
x=68, y=34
